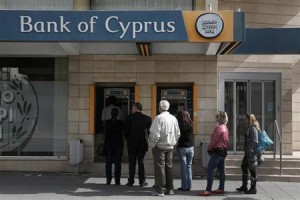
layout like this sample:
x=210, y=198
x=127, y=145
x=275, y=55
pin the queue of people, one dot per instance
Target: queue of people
x=162, y=135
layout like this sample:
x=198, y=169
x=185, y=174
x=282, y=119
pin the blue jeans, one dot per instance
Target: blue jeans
x=186, y=157
x=216, y=161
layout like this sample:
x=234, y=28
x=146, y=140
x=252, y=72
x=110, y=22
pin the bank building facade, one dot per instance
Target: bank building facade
x=61, y=60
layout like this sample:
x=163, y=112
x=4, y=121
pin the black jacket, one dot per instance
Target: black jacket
x=137, y=132
x=114, y=133
x=186, y=135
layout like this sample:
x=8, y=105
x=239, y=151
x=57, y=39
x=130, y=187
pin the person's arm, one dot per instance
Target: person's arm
x=155, y=130
x=177, y=131
x=215, y=137
x=120, y=116
x=103, y=115
x=149, y=121
x=127, y=128
x=254, y=138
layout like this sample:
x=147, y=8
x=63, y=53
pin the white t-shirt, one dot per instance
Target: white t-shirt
x=106, y=113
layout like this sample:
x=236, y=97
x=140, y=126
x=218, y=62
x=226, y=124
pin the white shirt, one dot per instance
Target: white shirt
x=164, y=131
x=106, y=113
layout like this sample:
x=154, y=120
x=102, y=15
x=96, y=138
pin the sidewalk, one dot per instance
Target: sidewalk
x=34, y=186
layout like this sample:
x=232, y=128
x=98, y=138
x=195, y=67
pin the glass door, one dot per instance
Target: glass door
x=249, y=96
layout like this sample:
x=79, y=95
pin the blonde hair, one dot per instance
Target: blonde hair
x=222, y=117
x=252, y=120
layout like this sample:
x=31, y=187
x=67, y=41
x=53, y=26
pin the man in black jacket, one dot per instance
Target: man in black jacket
x=136, y=133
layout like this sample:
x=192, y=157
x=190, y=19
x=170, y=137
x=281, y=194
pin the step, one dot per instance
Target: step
x=267, y=163
x=266, y=170
x=262, y=178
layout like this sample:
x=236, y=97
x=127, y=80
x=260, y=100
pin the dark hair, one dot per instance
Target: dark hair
x=114, y=113
x=183, y=116
x=111, y=100
x=138, y=106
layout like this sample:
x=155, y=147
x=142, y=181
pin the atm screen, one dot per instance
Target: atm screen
x=179, y=98
x=173, y=108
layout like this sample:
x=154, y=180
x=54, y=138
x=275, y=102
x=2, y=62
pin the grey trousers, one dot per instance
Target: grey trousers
x=163, y=169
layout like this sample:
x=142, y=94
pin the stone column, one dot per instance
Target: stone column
x=206, y=4
x=81, y=4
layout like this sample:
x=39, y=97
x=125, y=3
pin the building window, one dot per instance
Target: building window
x=142, y=4
x=33, y=106
x=36, y=4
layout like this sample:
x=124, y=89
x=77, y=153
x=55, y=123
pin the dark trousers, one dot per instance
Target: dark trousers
x=245, y=167
x=163, y=169
x=114, y=155
x=134, y=155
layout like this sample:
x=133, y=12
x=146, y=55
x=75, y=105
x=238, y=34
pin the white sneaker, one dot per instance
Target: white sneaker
x=170, y=192
x=157, y=194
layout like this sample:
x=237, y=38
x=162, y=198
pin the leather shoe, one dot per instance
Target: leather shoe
x=205, y=193
x=218, y=191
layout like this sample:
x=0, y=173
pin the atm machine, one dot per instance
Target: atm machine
x=179, y=98
x=123, y=98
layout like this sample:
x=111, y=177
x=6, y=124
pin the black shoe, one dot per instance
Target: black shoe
x=184, y=189
x=251, y=191
x=129, y=184
x=118, y=183
x=242, y=189
x=143, y=184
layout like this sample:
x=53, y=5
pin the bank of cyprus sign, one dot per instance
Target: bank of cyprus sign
x=21, y=25
x=209, y=25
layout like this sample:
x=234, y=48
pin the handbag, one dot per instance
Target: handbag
x=264, y=142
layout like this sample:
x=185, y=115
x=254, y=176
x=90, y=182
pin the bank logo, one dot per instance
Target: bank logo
x=209, y=25
x=19, y=110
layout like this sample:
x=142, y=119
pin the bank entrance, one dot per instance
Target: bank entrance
x=256, y=93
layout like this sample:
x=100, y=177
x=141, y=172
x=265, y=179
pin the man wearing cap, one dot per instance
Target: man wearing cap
x=164, y=134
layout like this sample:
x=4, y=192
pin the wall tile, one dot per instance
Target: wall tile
x=104, y=66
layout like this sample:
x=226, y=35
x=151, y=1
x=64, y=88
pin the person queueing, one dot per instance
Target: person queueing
x=137, y=133
x=217, y=149
x=250, y=157
x=185, y=149
x=164, y=134
x=114, y=146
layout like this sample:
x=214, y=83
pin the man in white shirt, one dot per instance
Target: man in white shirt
x=164, y=134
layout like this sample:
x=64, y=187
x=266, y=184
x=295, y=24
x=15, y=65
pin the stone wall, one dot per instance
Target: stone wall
x=266, y=13
x=86, y=70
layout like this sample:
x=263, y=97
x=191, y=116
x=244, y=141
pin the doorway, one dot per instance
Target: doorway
x=257, y=93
